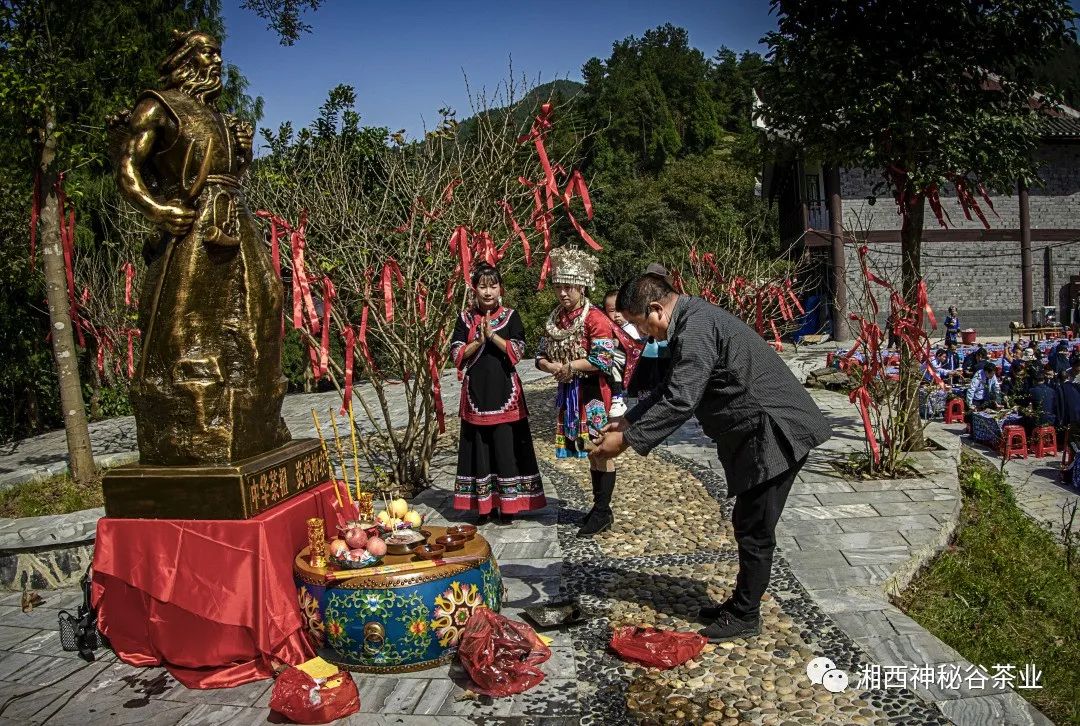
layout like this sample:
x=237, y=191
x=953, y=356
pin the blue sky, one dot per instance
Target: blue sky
x=406, y=59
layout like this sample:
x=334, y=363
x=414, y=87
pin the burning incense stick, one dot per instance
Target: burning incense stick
x=341, y=457
x=355, y=449
x=326, y=455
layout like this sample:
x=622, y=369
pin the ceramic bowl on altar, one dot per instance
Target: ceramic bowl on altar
x=403, y=541
x=467, y=531
x=428, y=552
x=451, y=542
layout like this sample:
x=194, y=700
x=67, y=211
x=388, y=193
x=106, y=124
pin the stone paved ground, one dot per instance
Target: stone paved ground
x=670, y=554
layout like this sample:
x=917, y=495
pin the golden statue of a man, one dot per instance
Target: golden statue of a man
x=209, y=387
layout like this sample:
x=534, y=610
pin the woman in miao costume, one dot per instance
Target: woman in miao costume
x=581, y=349
x=497, y=470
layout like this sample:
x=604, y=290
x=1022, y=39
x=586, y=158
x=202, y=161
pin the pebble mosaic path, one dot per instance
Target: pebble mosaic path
x=670, y=553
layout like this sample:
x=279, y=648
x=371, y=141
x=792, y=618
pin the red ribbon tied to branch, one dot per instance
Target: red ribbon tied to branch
x=67, y=243
x=131, y=333
x=391, y=271
x=278, y=225
x=459, y=246
x=517, y=230
x=301, y=283
x=350, y=342
x=129, y=279
x=329, y=293
x=541, y=125
x=362, y=340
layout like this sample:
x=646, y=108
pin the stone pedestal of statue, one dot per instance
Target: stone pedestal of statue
x=234, y=491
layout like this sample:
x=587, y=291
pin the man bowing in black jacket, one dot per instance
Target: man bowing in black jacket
x=763, y=421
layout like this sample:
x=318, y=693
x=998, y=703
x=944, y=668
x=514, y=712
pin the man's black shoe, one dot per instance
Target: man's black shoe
x=712, y=612
x=728, y=627
x=596, y=524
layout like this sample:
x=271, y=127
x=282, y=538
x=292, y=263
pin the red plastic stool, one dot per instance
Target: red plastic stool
x=1045, y=441
x=1013, y=443
x=954, y=411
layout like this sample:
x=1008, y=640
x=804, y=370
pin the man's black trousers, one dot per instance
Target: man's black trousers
x=756, y=513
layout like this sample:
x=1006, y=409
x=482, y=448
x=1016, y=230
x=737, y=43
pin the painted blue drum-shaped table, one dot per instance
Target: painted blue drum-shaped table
x=401, y=621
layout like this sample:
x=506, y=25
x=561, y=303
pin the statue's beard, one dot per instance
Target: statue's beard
x=204, y=85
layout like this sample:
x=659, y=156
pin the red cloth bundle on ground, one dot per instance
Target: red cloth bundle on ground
x=303, y=699
x=656, y=648
x=500, y=655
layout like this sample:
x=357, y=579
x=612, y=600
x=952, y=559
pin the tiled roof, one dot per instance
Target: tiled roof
x=1060, y=127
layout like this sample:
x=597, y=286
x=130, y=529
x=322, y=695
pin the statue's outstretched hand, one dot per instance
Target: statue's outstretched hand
x=174, y=218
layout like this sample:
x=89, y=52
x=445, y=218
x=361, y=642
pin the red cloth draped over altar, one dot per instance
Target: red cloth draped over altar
x=213, y=601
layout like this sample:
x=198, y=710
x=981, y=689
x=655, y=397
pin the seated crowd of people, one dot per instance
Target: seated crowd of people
x=1046, y=386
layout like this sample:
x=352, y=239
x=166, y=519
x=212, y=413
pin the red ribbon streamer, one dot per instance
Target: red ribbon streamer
x=129, y=278
x=329, y=293
x=421, y=300
x=131, y=333
x=459, y=245
x=277, y=226
x=391, y=271
x=350, y=343
x=301, y=283
x=362, y=339
x=67, y=243
x=576, y=188
x=861, y=397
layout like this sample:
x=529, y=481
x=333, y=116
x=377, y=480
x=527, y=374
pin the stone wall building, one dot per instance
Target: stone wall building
x=977, y=269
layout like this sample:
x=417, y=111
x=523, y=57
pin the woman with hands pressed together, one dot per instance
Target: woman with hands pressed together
x=497, y=470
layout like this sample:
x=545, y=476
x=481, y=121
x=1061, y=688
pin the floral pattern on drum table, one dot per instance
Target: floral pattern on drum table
x=379, y=605
x=453, y=608
x=313, y=623
x=493, y=587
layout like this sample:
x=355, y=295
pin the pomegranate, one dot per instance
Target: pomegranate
x=338, y=547
x=376, y=547
x=356, y=538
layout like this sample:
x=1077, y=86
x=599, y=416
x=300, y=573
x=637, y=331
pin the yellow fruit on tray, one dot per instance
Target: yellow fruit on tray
x=394, y=523
x=399, y=508
x=412, y=519
x=383, y=516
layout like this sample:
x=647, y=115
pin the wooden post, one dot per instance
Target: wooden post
x=1026, y=283
x=839, y=261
